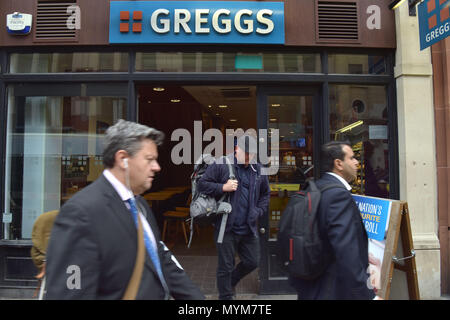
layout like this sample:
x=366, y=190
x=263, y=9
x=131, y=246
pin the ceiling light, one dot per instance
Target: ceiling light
x=149, y=101
x=273, y=119
x=209, y=106
x=175, y=100
x=233, y=120
x=223, y=106
x=395, y=4
x=275, y=104
x=159, y=89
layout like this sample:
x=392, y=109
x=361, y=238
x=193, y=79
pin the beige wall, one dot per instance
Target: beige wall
x=417, y=150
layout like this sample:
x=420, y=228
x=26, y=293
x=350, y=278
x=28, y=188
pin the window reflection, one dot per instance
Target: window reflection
x=356, y=64
x=227, y=62
x=69, y=62
x=53, y=150
x=292, y=116
x=359, y=114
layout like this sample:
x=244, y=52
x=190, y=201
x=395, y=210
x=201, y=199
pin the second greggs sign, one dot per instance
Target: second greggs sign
x=196, y=22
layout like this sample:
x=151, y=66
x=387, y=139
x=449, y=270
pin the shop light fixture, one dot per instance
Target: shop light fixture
x=175, y=100
x=273, y=119
x=411, y=4
x=159, y=89
x=350, y=126
x=233, y=120
x=223, y=106
x=275, y=105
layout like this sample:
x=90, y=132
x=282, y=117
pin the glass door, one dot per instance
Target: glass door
x=289, y=117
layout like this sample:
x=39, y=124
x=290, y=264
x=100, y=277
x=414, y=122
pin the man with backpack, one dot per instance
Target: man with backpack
x=341, y=228
x=249, y=197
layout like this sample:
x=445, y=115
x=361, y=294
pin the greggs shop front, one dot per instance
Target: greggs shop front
x=301, y=72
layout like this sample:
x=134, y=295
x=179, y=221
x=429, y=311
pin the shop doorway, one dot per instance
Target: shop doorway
x=170, y=108
x=294, y=113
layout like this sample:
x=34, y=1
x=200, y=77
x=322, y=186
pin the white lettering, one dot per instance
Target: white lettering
x=225, y=22
x=74, y=281
x=184, y=147
x=214, y=148
x=374, y=20
x=178, y=20
x=199, y=20
x=248, y=22
x=165, y=22
x=437, y=32
x=74, y=21
x=261, y=19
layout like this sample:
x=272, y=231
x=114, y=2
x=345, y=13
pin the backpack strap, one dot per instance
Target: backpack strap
x=224, y=219
x=223, y=223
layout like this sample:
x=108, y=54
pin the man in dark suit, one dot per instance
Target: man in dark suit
x=94, y=240
x=341, y=227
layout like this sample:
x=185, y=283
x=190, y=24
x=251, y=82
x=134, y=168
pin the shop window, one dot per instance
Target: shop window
x=356, y=64
x=53, y=149
x=69, y=62
x=358, y=114
x=227, y=62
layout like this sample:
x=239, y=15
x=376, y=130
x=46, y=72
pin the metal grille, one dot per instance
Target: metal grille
x=337, y=21
x=51, y=21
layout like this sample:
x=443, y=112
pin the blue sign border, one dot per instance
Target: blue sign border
x=441, y=31
x=148, y=35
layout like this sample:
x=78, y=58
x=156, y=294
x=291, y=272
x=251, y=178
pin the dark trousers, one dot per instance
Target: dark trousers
x=228, y=275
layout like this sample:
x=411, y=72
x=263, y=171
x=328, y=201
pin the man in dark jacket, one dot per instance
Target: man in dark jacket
x=94, y=242
x=249, y=198
x=341, y=226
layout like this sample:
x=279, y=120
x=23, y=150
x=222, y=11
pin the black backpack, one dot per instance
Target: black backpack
x=300, y=245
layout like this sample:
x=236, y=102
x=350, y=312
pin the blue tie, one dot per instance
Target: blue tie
x=150, y=249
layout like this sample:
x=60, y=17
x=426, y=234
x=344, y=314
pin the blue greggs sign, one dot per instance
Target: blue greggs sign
x=196, y=22
x=434, y=22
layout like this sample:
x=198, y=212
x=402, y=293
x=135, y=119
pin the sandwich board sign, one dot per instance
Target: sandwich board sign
x=390, y=244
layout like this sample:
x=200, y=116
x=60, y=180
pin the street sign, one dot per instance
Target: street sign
x=434, y=21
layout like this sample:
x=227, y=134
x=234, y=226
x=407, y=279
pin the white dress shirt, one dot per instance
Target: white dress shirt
x=345, y=183
x=126, y=194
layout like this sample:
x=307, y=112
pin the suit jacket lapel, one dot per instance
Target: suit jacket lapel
x=356, y=212
x=124, y=217
x=117, y=207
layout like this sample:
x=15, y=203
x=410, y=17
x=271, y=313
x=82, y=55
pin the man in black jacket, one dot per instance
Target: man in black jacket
x=93, y=244
x=249, y=198
x=341, y=226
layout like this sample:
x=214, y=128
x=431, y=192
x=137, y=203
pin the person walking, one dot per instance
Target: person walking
x=341, y=227
x=95, y=251
x=249, y=196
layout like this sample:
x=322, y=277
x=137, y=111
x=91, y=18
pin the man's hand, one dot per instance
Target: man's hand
x=230, y=186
